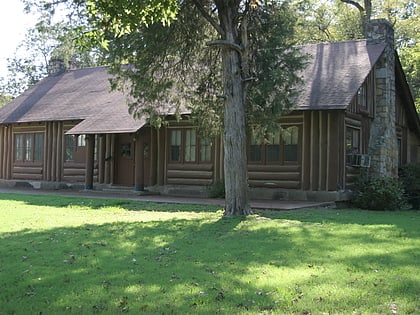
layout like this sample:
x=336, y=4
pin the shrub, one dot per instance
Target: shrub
x=410, y=179
x=381, y=193
x=217, y=189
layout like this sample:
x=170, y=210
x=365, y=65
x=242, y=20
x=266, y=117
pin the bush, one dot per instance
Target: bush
x=382, y=193
x=217, y=189
x=410, y=179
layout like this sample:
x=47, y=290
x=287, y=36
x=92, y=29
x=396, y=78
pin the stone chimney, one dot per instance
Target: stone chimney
x=383, y=145
x=56, y=66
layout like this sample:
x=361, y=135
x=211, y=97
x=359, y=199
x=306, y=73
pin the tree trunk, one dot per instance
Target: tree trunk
x=235, y=156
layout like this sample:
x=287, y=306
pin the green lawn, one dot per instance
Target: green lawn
x=66, y=255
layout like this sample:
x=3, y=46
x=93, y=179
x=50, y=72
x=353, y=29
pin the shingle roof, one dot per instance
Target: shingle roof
x=332, y=77
x=334, y=73
x=82, y=94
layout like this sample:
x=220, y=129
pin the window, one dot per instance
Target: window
x=362, y=97
x=352, y=145
x=186, y=146
x=29, y=147
x=70, y=147
x=255, y=149
x=291, y=138
x=280, y=147
x=352, y=140
x=75, y=148
x=273, y=148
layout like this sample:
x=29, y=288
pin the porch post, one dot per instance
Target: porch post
x=90, y=156
x=101, y=159
x=139, y=164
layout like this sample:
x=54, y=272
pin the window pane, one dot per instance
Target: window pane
x=352, y=140
x=273, y=152
x=81, y=140
x=190, y=145
x=291, y=139
x=70, y=147
x=39, y=146
x=361, y=96
x=291, y=152
x=175, y=146
x=255, y=149
x=205, y=150
x=19, y=149
x=291, y=135
x=28, y=148
x=273, y=148
x=255, y=153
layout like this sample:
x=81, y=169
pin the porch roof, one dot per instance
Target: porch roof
x=82, y=94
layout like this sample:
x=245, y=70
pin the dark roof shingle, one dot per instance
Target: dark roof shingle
x=334, y=73
x=82, y=94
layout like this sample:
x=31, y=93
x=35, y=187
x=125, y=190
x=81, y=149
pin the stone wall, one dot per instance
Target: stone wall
x=383, y=146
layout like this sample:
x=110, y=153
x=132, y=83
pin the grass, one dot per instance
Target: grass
x=66, y=255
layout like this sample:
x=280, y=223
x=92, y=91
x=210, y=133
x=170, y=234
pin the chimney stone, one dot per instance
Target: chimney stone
x=383, y=143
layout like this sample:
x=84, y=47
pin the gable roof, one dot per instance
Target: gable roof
x=82, y=94
x=334, y=73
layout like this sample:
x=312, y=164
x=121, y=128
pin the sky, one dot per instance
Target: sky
x=13, y=25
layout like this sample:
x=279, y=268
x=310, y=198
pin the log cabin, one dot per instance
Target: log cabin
x=354, y=111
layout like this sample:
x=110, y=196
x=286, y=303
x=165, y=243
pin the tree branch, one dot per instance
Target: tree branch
x=208, y=17
x=222, y=42
x=354, y=3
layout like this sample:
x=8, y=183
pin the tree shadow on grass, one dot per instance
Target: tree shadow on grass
x=61, y=201
x=228, y=266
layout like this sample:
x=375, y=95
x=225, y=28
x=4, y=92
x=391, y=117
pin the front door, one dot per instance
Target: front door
x=124, y=168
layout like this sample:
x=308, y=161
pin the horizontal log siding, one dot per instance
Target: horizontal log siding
x=27, y=172
x=278, y=176
x=189, y=174
x=74, y=172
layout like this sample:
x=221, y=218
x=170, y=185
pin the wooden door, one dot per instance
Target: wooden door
x=124, y=166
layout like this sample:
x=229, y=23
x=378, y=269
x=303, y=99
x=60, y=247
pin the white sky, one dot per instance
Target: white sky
x=13, y=25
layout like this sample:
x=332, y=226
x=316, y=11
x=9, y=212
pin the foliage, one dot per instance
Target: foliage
x=409, y=175
x=273, y=62
x=4, y=98
x=48, y=39
x=381, y=193
x=62, y=255
x=326, y=21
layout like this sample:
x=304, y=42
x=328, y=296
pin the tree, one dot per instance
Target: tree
x=4, y=99
x=235, y=57
x=47, y=39
x=326, y=21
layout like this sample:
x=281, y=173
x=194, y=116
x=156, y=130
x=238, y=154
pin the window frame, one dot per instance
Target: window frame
x=189, y=146
x=28, y=147
x=78, y=148
x=277, y=142
x=354, y=150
